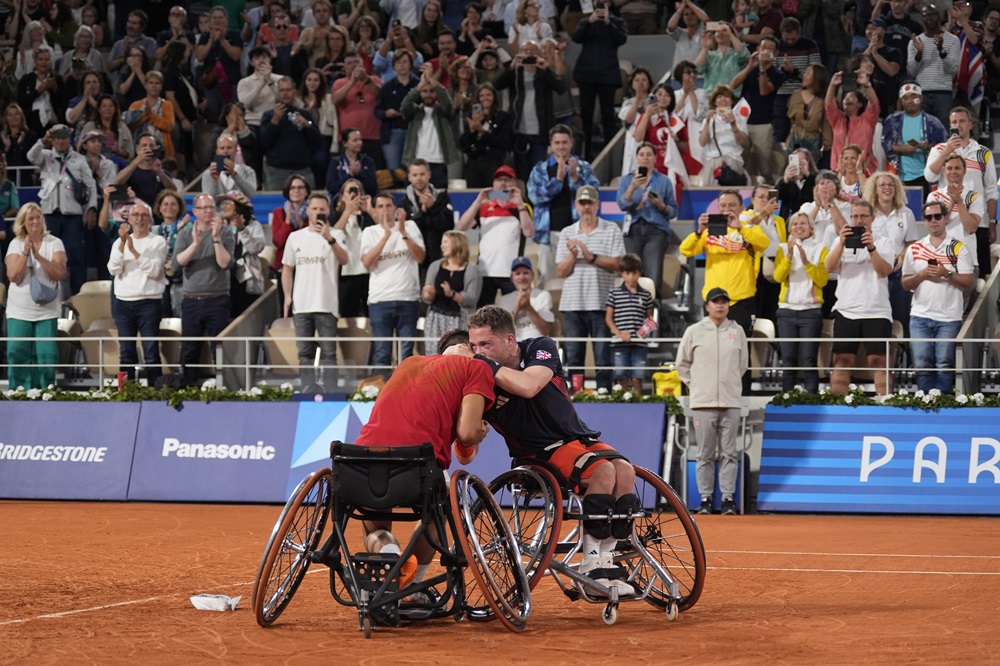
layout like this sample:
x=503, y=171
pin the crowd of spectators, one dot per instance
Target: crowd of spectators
x=816, y=105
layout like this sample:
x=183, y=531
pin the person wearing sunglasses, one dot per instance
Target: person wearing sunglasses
x=937, y=269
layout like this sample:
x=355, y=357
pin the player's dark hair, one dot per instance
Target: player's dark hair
x=630, y=263
x=493, y=317
x=451, y=338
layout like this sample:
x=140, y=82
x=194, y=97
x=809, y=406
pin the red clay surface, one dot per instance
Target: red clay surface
x=88, y=583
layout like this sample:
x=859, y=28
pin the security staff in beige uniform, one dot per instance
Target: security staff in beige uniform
x=711, y=360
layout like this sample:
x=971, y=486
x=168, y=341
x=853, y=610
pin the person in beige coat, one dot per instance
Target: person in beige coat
x=711, y=360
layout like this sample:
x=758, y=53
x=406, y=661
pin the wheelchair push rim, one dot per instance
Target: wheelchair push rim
x=295, y=536
x=536, y=515
x=671, y=537
x=494, y=560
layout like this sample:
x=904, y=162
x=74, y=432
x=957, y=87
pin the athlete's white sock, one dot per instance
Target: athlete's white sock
x=421, y=572
x=607, y=546
x=591, y=545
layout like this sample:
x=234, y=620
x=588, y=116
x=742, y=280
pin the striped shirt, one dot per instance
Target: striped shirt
x=980, y=170
x=588, y=285
x=629, y=310
x=801, y=54
x=932, y=73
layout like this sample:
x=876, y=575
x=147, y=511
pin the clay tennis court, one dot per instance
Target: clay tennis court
x=109, y=584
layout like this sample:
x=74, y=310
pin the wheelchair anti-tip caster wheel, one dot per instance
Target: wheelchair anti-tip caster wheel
x=366, y=627
x=459, y=617
x=672, y=611
x=610, y=614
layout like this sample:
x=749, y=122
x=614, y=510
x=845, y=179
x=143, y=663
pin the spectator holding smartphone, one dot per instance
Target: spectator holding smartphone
x=937, y=269
x=763, y=213
x=647, y=197
x=503, y=219
x=309, y=279
x=597, y=72
x=227, y=172
x=864, y=262
x=487, y=138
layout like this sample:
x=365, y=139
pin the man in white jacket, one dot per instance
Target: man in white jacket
x=711, y=360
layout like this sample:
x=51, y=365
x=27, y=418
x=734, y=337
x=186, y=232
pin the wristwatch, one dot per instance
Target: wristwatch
x=332, y=241
x=593, y=258
x=405, y=237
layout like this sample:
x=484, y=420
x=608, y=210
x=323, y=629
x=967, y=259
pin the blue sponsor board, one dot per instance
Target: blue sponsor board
x=83, y=454
x=635, y=430
x=319, y=424
x=880, y=460
x=219, y=452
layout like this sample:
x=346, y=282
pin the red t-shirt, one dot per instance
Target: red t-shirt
x=357, y=110
x=420, y=402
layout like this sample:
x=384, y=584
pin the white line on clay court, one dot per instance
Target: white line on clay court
x=792, y=552
x=891, y=572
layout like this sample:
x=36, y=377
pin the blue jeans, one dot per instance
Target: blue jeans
x=799, y=324
x=69, y=229
x=393, y=150
x=934, y=360
x=630, y=361
x=584, y=324
x=139, y=318
x=391, y=318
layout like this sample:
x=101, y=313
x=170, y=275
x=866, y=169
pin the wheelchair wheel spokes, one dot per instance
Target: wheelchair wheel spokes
x=287, y=555
x=534, y=502
x=489, y=546
x=671, y=537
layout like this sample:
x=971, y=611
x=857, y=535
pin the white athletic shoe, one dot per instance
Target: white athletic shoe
x=600, y=564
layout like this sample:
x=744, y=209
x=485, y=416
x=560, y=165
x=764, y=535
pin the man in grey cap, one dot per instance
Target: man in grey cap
x=63, y=199
x=587, y=257
x=531, y=307
x=711, y=360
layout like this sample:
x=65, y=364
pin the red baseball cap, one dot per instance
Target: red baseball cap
x=505, y=171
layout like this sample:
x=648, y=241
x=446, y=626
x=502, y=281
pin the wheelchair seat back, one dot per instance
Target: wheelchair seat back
x=383, y=477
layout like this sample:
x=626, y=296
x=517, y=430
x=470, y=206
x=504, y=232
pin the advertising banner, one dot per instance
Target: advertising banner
x=219, y=452
x=880, y=460
x=636, y=431
x=84, y=454
x=319, y=424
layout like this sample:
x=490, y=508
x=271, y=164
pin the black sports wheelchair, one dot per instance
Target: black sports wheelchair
x=662, y=559
x=402, y=484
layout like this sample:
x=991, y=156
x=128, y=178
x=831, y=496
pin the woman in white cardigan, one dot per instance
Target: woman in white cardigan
x=137, y=266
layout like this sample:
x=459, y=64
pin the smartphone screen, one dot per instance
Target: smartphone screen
x=499, y=195
x=718, y=225
x=932, y=262
x=120, y=193
x=772, y=194
x=220, y=163
x=853, y=242
x=643, y=171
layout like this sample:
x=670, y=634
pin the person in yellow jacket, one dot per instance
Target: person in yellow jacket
x=800, y=270
x=730, y=260
x=762, y=212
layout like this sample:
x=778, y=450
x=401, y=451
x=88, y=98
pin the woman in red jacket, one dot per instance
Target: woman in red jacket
x=290, y=217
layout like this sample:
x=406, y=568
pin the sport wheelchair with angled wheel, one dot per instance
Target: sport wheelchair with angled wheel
x=663, y=559
x=460, y=521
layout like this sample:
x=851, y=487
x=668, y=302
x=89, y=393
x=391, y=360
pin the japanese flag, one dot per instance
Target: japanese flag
x=742, y=114
x=676, y=124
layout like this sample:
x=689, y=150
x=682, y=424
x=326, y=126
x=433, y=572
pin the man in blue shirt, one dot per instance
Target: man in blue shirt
x=552, y=188
x=647, y=197
x=907, y=137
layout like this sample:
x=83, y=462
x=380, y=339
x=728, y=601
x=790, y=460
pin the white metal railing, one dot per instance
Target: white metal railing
x=77, y=370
